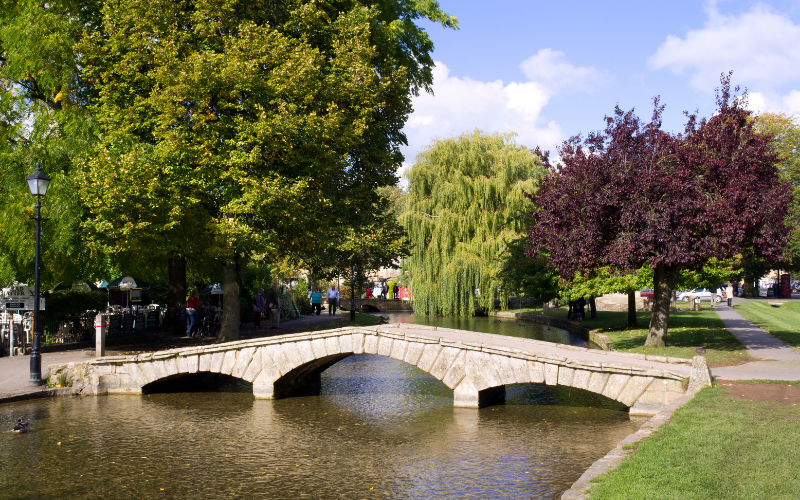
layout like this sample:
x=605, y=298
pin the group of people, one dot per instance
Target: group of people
x=270, y=304
x=332, y=296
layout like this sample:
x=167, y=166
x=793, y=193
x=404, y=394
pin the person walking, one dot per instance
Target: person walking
x=384, y=290
x=274, y=307
x=259, y=307
x=316, y=302
x=395, y=289
x=729, y=294
x=333, y=300
x=192, y=305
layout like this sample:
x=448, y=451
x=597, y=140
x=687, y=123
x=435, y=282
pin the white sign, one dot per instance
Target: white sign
x=19, y=298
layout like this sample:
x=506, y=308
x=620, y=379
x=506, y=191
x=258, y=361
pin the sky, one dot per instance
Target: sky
x=551, y=70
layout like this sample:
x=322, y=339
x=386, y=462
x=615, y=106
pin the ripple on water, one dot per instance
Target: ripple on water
x=380, y=429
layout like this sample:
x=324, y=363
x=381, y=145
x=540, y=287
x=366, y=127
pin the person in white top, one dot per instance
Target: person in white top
x=333, y=300
x=729, y=294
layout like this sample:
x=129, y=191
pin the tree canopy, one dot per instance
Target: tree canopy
x=635, y=195
x=466, y=202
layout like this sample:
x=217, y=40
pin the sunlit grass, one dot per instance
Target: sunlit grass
x=782, y=322
x=715, y=447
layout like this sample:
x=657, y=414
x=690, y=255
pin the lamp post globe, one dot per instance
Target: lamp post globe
x=38, y=182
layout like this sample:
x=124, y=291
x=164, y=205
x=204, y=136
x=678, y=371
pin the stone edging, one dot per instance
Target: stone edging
x=593, y=336
x=580, y=489
x=37, y=394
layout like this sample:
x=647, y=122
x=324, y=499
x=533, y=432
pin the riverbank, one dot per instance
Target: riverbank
x=733, y=441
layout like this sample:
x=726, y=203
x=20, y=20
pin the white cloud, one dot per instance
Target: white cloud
x=461, y=104
x=762, y=102
x=551, y=69
x=762, y=48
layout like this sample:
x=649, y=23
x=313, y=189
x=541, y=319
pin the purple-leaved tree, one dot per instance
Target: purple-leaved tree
x=636, y=195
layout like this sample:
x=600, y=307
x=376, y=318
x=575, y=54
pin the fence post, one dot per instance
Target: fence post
x=100, y=336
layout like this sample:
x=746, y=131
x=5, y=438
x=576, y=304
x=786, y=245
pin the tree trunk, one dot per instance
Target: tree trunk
x=592, y=307
x=632, y=322
x=232, y=280
x=664, y=281
x=569, y=310
x=177, y=282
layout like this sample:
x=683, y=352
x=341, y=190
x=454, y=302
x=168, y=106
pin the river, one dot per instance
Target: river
x=380, y=429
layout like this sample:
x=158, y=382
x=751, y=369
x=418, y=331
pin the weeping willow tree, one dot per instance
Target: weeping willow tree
x=466, y=202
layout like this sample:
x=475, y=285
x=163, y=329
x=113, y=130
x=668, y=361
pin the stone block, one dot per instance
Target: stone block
x=597, y=382
x=228, y=361
x=565, y=376
x=216, y=362
x=318, y=347
x=292, y=352
x=486, y=375
x=443, y=362
x=332, y=346
x=358, y=343
x=279, y=358
x=243, y=361
x=268, y=367
x=183, y=365
x=520, y=367
x=135, y=373
x=205, y=362
x=550, y=374
x=465, y=395
x=413, y=352
x=346, y=343
x=171, y=365
x=580, y=379
x=503, y=368
x=147, y=370
x=160, y=369
x=370, y=344
x=399, y=349
x=700, y=376
x=263, y=386
x=429, y=355
x=616, y=383
x=457, y=370
x=635, y=387
x=305, y=350
x=385, y=345
x=192, y=363
x=536, y=371
x=650, y=402
x=254, y=368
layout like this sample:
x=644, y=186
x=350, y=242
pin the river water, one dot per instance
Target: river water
x=380, y=429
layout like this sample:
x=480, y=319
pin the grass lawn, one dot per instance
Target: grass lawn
x=715, y=447
x=688, y=330
x=782, y=322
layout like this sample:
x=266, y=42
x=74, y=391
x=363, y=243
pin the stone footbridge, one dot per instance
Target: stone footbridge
x=476, y=366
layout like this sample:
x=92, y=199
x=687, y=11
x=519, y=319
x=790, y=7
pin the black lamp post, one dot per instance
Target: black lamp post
x=352, y=293
x=38, y=184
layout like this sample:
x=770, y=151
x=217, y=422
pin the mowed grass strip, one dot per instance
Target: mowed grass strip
x=782, y=322
x=715, y=447
x=688, y=330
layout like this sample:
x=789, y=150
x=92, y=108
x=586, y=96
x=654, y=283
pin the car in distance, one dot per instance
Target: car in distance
x=701, y=293
x=647, y=293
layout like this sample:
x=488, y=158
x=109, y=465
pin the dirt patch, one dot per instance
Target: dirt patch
x=775, y=393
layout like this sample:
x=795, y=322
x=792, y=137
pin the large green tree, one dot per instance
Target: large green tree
x=466, y=202
x=236, y=127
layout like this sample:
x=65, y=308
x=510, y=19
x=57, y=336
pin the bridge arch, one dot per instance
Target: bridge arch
x=476, y=372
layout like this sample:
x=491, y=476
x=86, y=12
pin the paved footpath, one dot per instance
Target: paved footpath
x=776, y=359
x=15, y=371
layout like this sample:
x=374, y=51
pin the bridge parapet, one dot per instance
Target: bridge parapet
x=476, y=366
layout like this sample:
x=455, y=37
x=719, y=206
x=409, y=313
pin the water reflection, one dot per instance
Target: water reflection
x=380, y=429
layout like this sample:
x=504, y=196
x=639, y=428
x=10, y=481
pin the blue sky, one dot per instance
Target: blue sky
x=550, y=70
